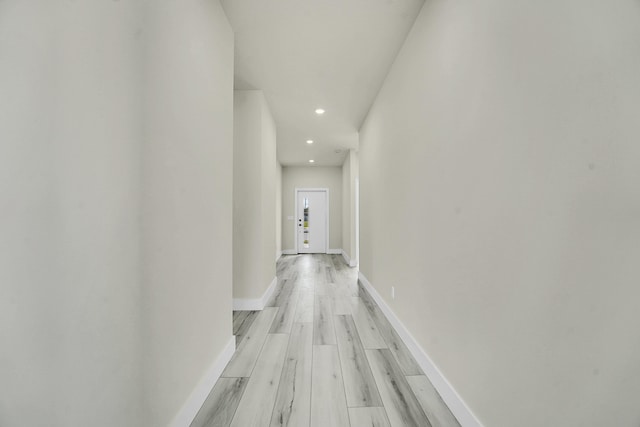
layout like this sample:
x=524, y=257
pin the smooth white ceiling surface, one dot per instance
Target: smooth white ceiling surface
x=306, y=54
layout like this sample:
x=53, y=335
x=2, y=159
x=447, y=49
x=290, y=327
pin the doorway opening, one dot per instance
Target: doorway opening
x=312, y=220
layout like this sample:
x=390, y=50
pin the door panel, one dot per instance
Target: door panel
x=312, y=222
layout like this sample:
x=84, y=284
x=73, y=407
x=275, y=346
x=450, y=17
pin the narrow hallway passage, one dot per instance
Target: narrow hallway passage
x=321, y=354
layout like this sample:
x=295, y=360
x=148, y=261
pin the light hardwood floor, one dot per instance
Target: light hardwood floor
x=321, y=354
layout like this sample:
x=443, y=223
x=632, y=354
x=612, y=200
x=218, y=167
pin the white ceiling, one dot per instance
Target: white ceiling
x=306, y=54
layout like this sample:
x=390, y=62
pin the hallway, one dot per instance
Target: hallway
x=321, y=354
x=481, y=161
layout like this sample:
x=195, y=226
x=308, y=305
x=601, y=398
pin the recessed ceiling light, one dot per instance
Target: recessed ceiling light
x=311, y=161
x=309, y=141
x=319, y=111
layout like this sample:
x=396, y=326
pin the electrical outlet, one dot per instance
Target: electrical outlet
x=393, y=292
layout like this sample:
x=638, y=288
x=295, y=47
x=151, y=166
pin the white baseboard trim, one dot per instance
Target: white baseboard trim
x=289, y=252
x=196, y=399
x=346, y=257
x=348, y=260
x=244, y=304
x=334, y=251
x=458, y=407
x=278, y=255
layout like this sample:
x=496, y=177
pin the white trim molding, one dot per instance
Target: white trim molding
x=243, y=304
x=289, y=252
x=458, y=407
x=334, y=251
x=278, y=255
x=348, y=260
x=196, y=399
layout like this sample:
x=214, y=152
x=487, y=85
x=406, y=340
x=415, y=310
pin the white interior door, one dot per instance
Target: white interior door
x=311, y=222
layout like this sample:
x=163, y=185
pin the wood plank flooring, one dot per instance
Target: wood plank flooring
x=293, y=403
x=242, y=320
x=321, y=353
x=328, y=402
x=256, y=406
x=360, y=387
x=368, y=417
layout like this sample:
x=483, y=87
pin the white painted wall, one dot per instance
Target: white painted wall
x=109, y=124
x=278, y=209
x=349, y=176
x=346, y=206
x=247, y=200
x=69, y=214
x=312, y=177
x=499, y=195
x=268, y=187
x=254, y=204
x=187, y=196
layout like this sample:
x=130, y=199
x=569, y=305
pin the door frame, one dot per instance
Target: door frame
x=357, y=221
x=295, y=223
